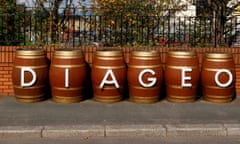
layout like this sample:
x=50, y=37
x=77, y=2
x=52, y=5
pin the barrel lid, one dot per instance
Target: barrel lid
x=218, y=55
x=182, y=53
x=108, y=53
x=30, y=52
x=67, y=53
x=146, y=53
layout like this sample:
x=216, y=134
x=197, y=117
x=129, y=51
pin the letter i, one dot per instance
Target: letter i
x=66, y=78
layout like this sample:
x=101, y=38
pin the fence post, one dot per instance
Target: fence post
x=24, y=21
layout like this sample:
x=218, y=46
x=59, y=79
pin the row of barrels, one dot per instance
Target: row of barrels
x=144, y=78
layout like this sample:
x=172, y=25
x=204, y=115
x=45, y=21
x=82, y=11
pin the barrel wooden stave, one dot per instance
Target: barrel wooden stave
x=139, y=61
x=103, y=61
x=36, y=60
x=174, y=65
x=73, y=60
x=175, y=62
x=213, y=62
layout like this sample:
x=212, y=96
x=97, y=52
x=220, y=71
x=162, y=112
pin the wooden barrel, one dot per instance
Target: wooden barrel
x=182, y=76
x=145, y=76
x=218, y=77
x=67, y=75
x=30, y=75
x=108, y=76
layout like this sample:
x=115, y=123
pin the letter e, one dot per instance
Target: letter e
x=184, y=77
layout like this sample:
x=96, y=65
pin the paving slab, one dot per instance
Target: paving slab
x=196, y=130
x=233, y=129
x=135, y=130
x=84, y=131
x=21, y=131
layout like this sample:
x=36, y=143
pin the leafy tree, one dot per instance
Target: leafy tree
x=52, y=13
x=221, y=13
x=9, y=32
x=139, y=7
x=237, y=10
x=123, y=18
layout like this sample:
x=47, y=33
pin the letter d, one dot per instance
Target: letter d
x=23, y=70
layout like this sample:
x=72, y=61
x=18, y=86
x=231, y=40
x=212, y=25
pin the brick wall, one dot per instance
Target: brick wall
x=7, y=54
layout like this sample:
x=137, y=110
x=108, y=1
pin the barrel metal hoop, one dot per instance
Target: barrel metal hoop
x=30, y=57
x=67, y=97
x=64, y=99
x=29, y=96
x=67, y=89
x=143, y=88
x=109, y=67
x=145, y=58
x=183, y=56
x=109, y=58
x=67, y=66
x=184, y=97
x=218, y=96
x=32, y=67
x=137, y=97
x=215, y=70
x=108, y=87
x=218, y=60
x=217, y=87
x=180, y=87
x=181, y=67
x=144, y=66
x=110, y=97
x=31, y=87
x=68, y=57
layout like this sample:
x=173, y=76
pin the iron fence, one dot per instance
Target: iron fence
x=28, y=27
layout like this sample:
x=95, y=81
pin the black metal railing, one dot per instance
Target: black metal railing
x=27, y=27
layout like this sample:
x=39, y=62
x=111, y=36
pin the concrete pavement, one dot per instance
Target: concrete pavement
x=123, y=119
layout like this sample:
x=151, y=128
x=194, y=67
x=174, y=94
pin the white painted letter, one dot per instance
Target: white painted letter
x=152, y=80
x=67, y=78
x=105, y=81
x=23, y=70
x=184, y=77
x=217, y=77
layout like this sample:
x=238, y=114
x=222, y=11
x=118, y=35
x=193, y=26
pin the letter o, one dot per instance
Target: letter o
x=218, y=74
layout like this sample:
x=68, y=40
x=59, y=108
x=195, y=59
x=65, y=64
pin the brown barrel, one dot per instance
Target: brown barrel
x=104, y=62
x=212, y=63
x=36, y=60
x=146, y=64
x=175, y=63
x=68, y=63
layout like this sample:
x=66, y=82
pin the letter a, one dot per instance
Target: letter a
x=105, y=81
x=23, y=84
